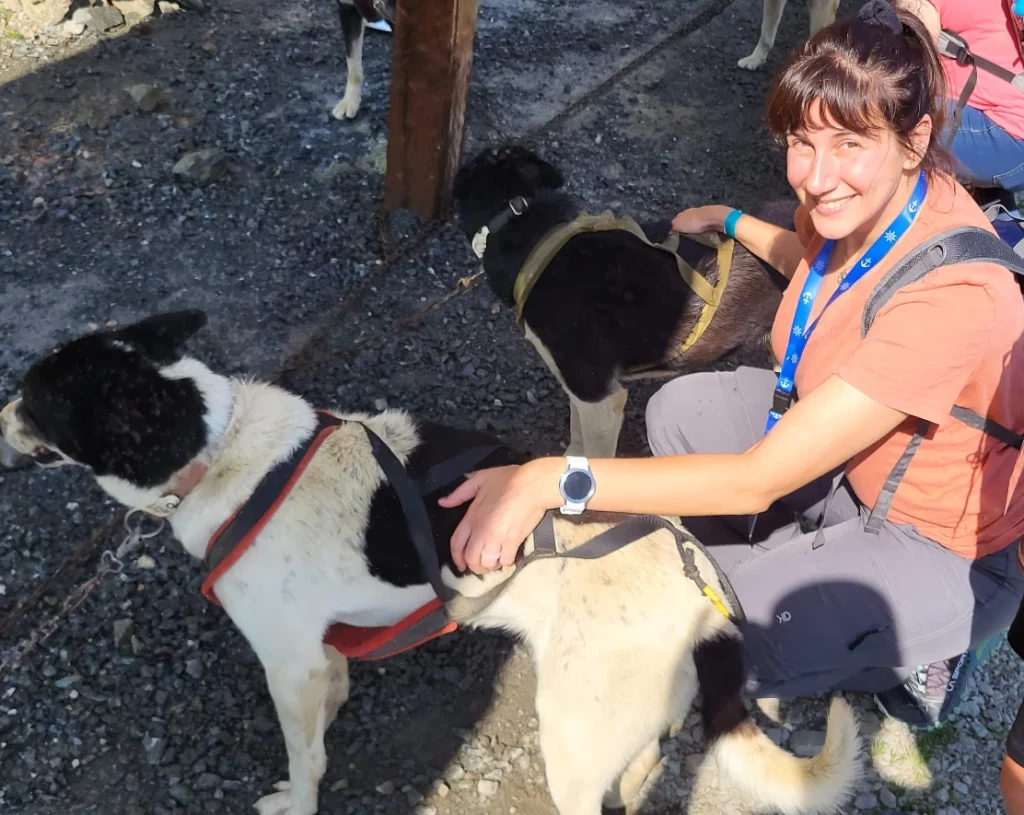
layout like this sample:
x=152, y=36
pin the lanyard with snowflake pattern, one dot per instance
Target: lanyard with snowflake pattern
x=801, y=332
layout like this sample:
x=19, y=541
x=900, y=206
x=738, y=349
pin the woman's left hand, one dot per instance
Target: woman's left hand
x=506, y=508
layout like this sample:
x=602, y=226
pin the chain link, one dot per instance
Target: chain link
x=110, y=562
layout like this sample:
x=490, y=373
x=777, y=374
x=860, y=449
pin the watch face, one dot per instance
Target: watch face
x=577, y=485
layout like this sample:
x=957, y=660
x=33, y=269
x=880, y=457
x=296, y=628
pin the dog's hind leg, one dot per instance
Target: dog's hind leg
x=771, y=14
x=601, y=422
x=337, y=693
x=629, y=783
x=300, y=687
x=822, y=13
x=353, y=27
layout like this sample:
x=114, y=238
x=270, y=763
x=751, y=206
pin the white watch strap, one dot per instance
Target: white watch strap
x=578, y=462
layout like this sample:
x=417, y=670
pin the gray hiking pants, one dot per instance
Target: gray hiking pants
x=860, y=611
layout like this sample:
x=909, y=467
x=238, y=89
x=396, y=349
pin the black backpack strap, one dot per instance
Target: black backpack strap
x=963, y=244
x=987, y=426
x=956, y=48
x=881, y=508
x=967, y=244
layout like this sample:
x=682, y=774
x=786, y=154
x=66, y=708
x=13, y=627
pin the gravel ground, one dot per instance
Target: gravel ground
x=145, y=699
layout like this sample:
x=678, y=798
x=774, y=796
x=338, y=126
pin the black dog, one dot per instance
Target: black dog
x=609, y=307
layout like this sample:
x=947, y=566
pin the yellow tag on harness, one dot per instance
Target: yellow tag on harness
x=716, y=601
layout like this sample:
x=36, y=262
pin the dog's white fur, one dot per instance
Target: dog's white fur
x=612, y=640
x=821, y=12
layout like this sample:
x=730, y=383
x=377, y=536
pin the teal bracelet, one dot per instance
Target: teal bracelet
x=729, y=227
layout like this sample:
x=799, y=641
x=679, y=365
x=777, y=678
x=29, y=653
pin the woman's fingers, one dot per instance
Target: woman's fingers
x=466, y=491
x=460, y=539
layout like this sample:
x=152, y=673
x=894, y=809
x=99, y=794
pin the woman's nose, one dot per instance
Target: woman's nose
x=823, y=175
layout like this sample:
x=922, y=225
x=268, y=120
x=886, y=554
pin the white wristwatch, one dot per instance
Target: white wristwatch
x=577, y=485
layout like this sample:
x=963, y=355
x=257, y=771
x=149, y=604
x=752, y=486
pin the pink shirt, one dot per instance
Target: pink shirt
x=986, y=26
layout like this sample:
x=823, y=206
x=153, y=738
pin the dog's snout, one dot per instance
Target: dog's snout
x=10, y=458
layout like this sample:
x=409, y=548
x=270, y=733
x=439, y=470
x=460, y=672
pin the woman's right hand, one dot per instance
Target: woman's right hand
x=696, y=220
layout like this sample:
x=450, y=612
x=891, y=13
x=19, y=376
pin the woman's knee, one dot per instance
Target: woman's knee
x=670, y=411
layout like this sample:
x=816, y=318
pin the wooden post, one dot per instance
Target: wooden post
x=433, y=57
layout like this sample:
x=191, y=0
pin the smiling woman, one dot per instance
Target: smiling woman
x=881, y=573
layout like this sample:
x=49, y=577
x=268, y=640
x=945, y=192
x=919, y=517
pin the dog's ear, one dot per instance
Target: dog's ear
x=160, y=337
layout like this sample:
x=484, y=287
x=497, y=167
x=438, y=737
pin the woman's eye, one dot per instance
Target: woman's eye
x=850, y=145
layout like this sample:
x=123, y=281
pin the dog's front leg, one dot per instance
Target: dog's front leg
x=601, y=422
x=300, y=690
x=771, y=14
x=822, y=13
x=353, y=28
x=575, y=447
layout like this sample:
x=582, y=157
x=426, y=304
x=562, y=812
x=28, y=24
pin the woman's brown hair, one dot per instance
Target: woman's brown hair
x=877, y=70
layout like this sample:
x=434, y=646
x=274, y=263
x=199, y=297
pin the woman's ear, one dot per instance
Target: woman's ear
x=920, y=138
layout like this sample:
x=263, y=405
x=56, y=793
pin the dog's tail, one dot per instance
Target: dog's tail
x=769, y=775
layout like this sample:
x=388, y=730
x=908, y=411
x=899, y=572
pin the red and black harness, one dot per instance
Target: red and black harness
x=443, y=614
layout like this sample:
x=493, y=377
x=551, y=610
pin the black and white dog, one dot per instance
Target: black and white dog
x=607, y=303
x=355, y=14
x=620, y=644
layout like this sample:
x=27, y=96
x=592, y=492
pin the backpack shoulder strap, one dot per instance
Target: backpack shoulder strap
x=964, y=244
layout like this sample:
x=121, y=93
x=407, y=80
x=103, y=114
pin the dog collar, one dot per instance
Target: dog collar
x=516, y=207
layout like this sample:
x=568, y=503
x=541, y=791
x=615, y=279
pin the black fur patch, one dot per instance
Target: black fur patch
x=720, y=674
x=389, y=549
x=351, y=25
x=102, y=400
x=607, y=302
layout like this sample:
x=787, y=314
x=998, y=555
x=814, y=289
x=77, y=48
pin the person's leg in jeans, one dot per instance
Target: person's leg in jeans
x=849, y=613
x=986, y=155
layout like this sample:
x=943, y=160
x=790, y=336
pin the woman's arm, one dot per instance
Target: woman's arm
x=925, y=12
x=819, y=433
x=779, y=248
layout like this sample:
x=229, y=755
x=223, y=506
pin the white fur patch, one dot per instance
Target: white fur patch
x=480, y=242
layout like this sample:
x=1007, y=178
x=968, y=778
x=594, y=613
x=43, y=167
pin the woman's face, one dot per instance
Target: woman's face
x=846, y=181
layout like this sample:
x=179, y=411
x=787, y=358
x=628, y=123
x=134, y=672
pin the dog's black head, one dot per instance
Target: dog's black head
x=485, y=185
x=126, y=403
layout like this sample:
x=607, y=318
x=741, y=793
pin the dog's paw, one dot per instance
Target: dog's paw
x=280, y=803
x=348, y=107
x=755, y=60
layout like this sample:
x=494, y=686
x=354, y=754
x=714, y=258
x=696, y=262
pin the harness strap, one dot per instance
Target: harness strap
x=238, y=532
x=551, y=244
x=445, y=473
x=420, y=530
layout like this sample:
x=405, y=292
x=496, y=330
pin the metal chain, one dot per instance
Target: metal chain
x=110, y=562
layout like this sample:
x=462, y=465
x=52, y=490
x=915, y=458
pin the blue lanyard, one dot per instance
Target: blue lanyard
x=801, y=332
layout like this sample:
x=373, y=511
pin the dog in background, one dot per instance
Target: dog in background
x=620, y=644
x=355, y=14
x=607, y=303
x=822, y=13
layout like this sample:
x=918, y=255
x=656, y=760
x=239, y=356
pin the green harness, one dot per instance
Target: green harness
x=553, y=242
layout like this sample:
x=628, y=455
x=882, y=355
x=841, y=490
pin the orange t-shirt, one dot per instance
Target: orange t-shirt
x=956, y=337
